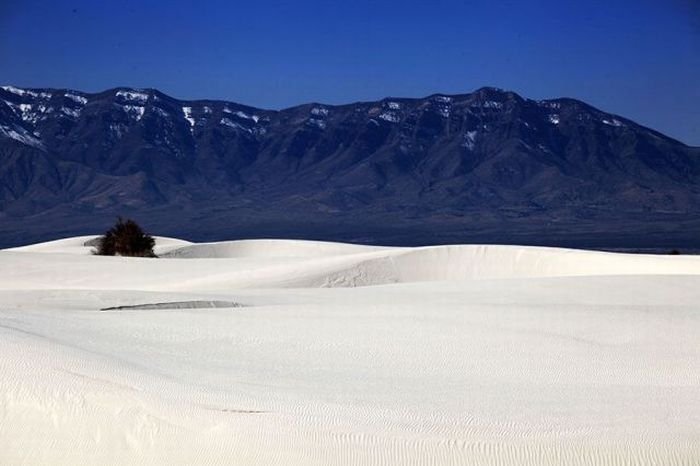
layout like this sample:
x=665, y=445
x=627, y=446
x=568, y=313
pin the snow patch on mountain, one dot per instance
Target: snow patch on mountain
x=319, y=111
x=73, y=113
x=233, y=124
x=24, y=111
x=391, y=117
x=614, y=122
x=318, y=115
x=25, y=92
x=488, y=104
x=245, y=116
x=28, y=112
x=187, y=112
x=226, y=122
x=78, y=99
x=133, y=96
x=443, y=105
x=549, y=104
x=134, y=111
x=316, y=122
x=22, y=135
x=469, y=140
x=17, y=91
x=256, y=130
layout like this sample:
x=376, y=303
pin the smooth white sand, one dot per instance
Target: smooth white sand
x=340, y=354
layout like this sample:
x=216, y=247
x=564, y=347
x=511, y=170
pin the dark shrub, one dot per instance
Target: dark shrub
x=126, y=238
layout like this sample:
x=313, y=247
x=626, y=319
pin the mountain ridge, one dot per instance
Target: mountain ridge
x=340, y=105
x=464, y=163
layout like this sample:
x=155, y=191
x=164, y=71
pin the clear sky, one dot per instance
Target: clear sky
x=637, y=58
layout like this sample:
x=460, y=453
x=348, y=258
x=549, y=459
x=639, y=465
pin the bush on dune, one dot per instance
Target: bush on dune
x=125, y=238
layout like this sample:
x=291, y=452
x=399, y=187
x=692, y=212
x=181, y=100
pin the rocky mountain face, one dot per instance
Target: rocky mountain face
x=489, y=166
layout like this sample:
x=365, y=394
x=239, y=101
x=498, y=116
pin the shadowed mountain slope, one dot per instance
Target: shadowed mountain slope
x=489, y=166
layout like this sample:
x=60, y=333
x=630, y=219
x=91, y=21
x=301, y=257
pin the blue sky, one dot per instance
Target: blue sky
x=637, y=58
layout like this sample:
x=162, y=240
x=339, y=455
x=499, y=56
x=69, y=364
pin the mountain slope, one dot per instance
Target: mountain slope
x=486, y=166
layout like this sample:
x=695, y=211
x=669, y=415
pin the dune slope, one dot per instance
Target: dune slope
x=304, y=353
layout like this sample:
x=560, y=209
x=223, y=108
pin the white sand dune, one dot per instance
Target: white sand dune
x=269, y=248
x=84, y=245
x=309, y=264
x=335, y=354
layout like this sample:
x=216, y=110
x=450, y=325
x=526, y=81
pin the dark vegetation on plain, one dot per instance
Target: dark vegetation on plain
x=125, y=238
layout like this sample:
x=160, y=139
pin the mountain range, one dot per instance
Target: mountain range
x=488, y=166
